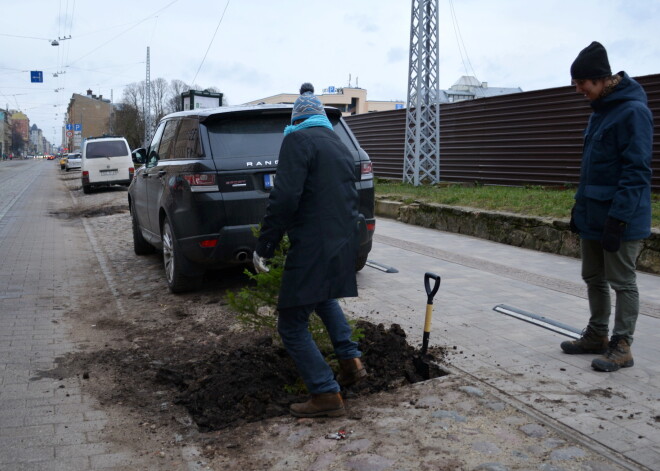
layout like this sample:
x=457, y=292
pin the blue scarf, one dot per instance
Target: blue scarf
x=317, y=120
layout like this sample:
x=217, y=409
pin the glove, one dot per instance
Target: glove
x=572, y=225
x=612, y=234
x=259, y=263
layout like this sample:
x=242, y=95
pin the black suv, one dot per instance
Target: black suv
x=204, y=185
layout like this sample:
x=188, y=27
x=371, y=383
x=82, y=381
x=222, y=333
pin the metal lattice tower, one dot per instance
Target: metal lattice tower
x=147, y=103
x=422, y=147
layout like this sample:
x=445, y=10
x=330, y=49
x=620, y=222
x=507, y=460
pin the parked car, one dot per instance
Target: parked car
x=205, y=183
x=106, y=161
x=62, y=162
x=73, y=162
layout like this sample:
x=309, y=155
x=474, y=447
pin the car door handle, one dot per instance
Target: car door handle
x=161, y=173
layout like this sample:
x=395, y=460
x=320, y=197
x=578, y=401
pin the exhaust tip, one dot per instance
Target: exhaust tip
x=241, y=256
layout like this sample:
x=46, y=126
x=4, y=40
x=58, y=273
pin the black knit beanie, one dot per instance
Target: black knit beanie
x=591, y=63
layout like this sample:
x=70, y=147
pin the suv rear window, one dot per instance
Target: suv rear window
x=256, y=135
x=96, y=150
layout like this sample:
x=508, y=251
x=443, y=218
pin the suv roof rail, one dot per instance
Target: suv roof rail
x=104, y=136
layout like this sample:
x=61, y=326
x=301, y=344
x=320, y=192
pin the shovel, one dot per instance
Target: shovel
x=421, y=361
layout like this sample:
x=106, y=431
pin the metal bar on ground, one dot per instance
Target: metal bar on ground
x=541, y=321
x=381, y=267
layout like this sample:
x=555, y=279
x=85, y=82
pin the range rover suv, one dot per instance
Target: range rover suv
x=204, y=185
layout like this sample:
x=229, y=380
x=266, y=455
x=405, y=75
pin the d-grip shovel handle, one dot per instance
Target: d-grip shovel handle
x=429, y=307
x=431, y=292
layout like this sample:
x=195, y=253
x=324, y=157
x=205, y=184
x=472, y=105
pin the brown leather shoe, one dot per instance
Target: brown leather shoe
x=618, y=355
x=590, y=342
x=351, y=372
x=320, y=405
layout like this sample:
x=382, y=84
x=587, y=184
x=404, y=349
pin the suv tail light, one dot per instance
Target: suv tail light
x=131, y=172
x=366, y=171
x=201, y=182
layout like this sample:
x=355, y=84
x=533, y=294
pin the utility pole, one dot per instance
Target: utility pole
x=421, y=161
x=147, y=100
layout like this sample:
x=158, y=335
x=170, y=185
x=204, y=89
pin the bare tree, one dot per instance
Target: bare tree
x=130, y=117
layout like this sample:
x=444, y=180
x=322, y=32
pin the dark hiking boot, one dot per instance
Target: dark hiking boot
x=351, y=372
x=618, y=355
x=590, y=342
x=320, y=405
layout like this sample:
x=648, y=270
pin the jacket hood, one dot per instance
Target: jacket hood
x=627, y=90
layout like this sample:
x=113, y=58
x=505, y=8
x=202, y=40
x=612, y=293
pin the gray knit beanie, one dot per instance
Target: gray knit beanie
x=306, y=104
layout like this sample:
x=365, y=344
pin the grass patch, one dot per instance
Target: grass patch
x=531, y=201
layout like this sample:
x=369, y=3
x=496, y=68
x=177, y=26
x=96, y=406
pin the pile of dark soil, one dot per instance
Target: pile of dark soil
x=232, y=381
x=255, y=382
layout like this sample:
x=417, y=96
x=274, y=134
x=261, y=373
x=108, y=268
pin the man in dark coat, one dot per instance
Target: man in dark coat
x=612, y=212
x=315, y=202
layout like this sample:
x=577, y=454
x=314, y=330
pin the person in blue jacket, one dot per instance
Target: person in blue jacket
x=315, y=202
x=612, y=211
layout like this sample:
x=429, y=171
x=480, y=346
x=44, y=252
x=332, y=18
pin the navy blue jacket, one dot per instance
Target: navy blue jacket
x=615, y=177
x=315, y=202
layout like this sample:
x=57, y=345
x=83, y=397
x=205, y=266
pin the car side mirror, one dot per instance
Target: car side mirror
x=139, y=156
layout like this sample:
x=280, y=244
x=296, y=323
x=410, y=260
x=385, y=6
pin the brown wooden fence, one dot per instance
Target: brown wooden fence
x=530, y=138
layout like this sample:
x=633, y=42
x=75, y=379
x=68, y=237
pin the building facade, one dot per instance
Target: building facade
x=350, y=101
x=36, y=141
x=86, y=116
x=20, y=128
x=469, y=88
x=5, y=134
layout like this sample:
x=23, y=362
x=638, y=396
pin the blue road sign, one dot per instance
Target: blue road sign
x=77, y=127
x=36, y=76
x=69, y=127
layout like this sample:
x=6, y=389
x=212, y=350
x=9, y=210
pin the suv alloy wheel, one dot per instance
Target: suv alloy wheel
x=177, y=282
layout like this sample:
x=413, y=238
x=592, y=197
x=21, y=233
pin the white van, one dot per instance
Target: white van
x=106, y=161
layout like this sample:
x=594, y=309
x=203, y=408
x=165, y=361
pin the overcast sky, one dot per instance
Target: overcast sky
x=261, y=48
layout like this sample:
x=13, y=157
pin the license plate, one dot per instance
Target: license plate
x=108, y=172
x=269, y=181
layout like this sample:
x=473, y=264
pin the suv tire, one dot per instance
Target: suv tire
x=140, y=245
x=177, y=282
x=360, y=262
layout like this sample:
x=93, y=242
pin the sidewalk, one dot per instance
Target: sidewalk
x=522, y=362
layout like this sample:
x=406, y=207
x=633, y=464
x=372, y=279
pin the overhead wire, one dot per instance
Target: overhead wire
x=125, y=31
x=210, y=43
x=462, y=48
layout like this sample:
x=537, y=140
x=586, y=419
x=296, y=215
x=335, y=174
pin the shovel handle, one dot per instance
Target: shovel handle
x=427, y=284
x=429, y=307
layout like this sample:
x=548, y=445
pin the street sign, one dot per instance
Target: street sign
x=69, y=127
x=36, y=76
x=69, y=134
x=77, y=127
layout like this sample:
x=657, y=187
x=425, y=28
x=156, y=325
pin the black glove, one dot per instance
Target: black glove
x=612, y=234
x=572, y=225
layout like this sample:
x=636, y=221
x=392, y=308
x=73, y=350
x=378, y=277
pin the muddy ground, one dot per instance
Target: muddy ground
x=179, y=366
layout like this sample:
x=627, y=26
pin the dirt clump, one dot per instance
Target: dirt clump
x=226, y=383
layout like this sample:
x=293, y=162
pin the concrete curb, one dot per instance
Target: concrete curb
x=542, y=234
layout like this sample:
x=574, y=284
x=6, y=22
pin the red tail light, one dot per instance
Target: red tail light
x=366, y=170
x=205, y=244
x=371, y=227
x=201, y=182
x=131, y=171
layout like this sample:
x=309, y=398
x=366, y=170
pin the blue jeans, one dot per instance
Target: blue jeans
x=292, y=325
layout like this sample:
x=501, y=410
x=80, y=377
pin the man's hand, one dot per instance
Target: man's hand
x=612, y=234
x=259, y=263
